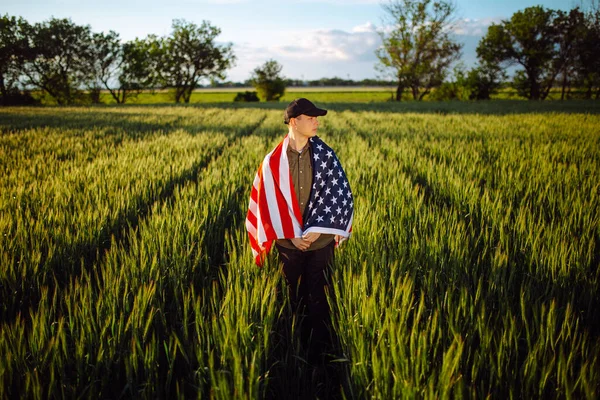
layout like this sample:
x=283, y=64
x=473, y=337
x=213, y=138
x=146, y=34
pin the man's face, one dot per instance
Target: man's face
x=307, y=125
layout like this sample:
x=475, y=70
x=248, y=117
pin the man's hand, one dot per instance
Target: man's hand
x=301, y=243
x=311, y=237
x=305, y=241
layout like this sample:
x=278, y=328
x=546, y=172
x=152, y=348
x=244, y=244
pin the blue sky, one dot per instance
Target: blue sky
x=310, y=38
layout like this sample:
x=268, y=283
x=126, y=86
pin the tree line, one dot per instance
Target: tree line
x=548, y=47
x=70, y=63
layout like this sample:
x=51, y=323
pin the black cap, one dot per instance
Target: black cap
x=302, y=106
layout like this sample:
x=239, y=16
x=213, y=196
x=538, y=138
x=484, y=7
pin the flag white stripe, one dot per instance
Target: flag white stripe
x=251, y=229
x=254, y=207
x=269, y=193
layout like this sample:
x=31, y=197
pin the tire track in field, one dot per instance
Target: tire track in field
x=59, y=273
x=510, y=281
x=222, y=220
x=504, y=285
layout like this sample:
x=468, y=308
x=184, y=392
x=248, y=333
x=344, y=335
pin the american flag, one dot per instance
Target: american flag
x=273, y=211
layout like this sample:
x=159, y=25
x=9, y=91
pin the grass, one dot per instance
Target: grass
x=472, y=271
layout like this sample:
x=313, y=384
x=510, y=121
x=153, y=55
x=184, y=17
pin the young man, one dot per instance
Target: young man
x=301, y=200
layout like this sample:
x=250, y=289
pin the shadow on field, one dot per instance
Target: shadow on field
x=61, y=266
x=505, y=289
x=578, y=290
x=295, y=373
x=105, y=117
x=133, y=124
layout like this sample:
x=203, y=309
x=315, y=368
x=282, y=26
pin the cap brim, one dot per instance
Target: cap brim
x=315, y=112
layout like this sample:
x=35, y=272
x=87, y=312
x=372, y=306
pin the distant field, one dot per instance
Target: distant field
x=292, y=89
x=319, y=94
x=227, y=95
x=472, y=272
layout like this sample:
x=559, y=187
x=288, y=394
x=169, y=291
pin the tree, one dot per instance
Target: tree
x=587, y=66
x=190, y=54
x=483, y=81
x=57, y=63
x=13, y=54
x=529, y=39
x=122, y=69
x=418, y=48
x=140, y=68
x=268, y=82
x=571, y=31
x=456, y=89
x=104, y=62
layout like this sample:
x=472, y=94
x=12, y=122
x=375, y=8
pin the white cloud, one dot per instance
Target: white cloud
x=327, y=52
x=314, y=54
x=338, y=2
x=332, y=44
x=225, y=2
x=342, y=2
x=474, y=26
x=367, y=27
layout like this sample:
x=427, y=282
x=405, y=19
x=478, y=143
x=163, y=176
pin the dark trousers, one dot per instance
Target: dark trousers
x=307, y=275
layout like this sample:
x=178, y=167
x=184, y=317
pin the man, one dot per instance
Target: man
x=301, y=200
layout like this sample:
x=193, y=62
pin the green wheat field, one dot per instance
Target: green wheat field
x=472, y=272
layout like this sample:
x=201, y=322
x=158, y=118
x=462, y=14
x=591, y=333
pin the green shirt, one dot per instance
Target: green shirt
x=301, y=171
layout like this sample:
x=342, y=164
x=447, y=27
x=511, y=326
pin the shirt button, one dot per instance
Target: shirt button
x=300, y=171
x=301, y=187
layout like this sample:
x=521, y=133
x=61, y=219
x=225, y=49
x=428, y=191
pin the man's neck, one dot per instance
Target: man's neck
x=298, y=142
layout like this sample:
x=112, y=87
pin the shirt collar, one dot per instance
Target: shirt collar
x=294, y=151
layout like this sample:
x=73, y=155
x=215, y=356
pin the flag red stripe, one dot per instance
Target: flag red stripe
x=252, y=218
x=263, y=207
